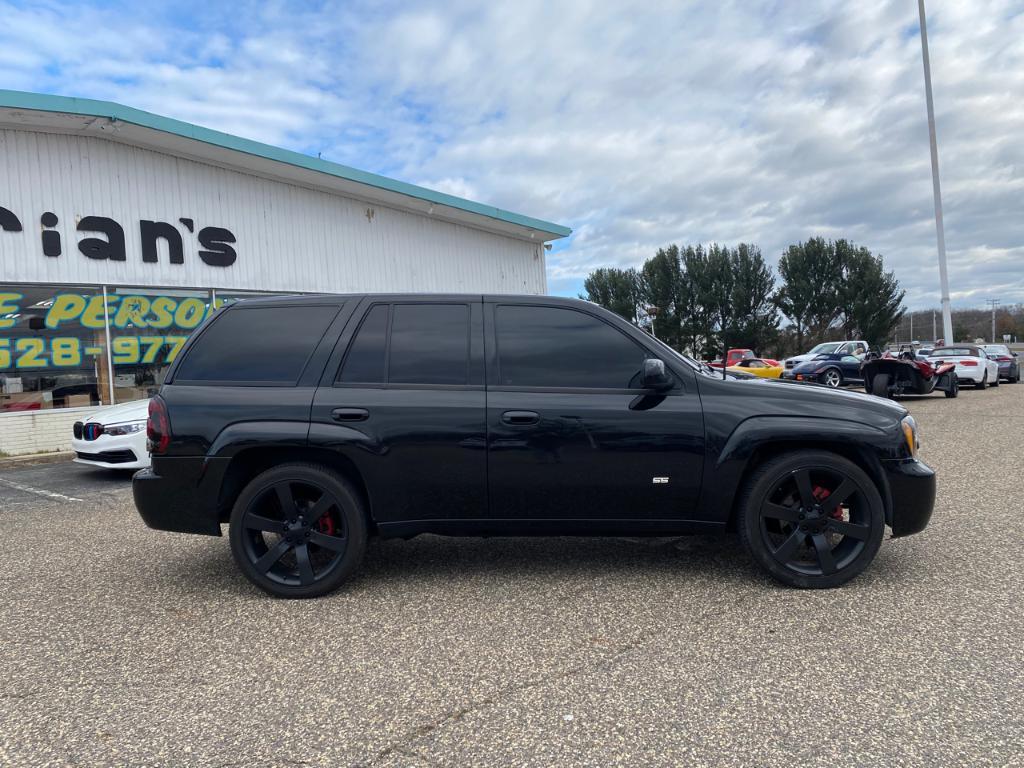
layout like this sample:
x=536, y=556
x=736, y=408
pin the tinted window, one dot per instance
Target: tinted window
x=365, y=359
x=429, y=344
x=554, y=347
x=258, y=344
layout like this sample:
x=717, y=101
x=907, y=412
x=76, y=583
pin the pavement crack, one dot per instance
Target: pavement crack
x=404, y=747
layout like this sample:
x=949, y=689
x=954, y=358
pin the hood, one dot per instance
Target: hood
x=798, y=359
x=136, y=410
x=810, y=364
x=826, y=396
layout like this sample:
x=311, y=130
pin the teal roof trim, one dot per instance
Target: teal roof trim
x=94, y=108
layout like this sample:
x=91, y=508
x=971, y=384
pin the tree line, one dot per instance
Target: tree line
x=705, y=300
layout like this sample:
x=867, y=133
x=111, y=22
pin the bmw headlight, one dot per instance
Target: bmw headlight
x=910, y=434
x=125, y=429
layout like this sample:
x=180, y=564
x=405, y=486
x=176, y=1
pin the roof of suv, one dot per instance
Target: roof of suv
x=321, y=297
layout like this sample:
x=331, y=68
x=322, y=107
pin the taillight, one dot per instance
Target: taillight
x=968, y=363
x=158, y=426
x=1004, y=359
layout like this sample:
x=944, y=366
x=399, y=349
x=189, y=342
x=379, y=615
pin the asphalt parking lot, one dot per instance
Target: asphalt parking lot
x=125, y=646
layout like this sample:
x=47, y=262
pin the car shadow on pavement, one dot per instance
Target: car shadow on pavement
x=438, y=560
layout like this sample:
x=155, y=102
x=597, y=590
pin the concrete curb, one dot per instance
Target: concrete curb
x=31, y=459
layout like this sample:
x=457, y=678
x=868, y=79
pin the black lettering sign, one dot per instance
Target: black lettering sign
x=152, y=231
x=9, y=222
x=216, y=241
x=112, y=248
x=50, y=237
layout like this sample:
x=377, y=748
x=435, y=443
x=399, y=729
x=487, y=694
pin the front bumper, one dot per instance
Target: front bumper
x=912, y=489
x=112, y=451
x=182, y=497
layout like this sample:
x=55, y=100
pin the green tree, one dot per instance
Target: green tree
x=614, y=289
x=811, y=276
x=660, y=279
x=699, y=304
x=753, y=321
x=871, y=299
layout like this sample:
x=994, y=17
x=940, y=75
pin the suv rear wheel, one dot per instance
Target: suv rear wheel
x=812, y=519
x=298, y=530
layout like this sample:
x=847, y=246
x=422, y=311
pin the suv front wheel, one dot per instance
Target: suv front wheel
x=812, y=519
x=298, y=530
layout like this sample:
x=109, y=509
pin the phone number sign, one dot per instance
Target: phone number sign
x=151, y=314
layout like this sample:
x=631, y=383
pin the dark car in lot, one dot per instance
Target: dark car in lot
x=833, y=369
x=308, y=424
x=1009, y=365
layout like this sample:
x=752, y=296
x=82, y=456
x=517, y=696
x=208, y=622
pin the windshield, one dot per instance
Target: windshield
x=826, y=348
x=997, y=349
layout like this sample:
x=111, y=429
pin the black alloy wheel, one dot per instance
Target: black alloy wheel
x=954, y=389
x=832, y=377
x=298, y=530
x=984, y=381
x=812, y=519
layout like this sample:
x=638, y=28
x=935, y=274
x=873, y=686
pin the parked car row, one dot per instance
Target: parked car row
x=945, y=368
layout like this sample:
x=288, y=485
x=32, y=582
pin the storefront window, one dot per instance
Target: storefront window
x=53, y=341
x=148, y=327
x=52, y=348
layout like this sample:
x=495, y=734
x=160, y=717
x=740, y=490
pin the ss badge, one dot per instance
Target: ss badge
x=658, y=480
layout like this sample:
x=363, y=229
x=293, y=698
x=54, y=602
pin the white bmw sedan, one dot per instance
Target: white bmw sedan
x=114, y=437
x=972, y=364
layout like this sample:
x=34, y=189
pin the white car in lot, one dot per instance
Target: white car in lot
x=114, y=437
x=972, y=364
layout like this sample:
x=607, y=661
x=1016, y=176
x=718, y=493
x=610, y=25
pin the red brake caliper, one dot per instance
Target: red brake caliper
x=326, y=525
x=823, y=493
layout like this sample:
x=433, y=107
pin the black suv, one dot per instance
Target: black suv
x=308, y=424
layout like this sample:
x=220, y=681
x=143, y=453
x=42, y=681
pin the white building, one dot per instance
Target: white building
x=121, y=230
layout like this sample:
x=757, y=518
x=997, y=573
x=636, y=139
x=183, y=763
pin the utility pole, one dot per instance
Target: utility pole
x=935, y=336
x=947, y=318
x=911, y=327
x=993, y=303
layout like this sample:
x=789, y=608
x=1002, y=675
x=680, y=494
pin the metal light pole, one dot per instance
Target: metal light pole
x=947, y=319
x=993, y=303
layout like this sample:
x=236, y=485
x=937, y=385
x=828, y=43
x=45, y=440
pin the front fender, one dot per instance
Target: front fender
x=762, y=437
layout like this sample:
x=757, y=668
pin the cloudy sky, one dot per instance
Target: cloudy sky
x=637, y=124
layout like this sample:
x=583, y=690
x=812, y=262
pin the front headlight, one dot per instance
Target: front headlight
x=910, y=435
x=125, y=429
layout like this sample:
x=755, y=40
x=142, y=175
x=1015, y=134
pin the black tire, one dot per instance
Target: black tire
x=995, y=382
x=880, y=385
x=953, y=390
x=983, y=383
x=822, y=549
x=298, y=530
x=832, y=378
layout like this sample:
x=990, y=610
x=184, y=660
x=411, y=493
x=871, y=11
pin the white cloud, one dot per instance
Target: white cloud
x=637, y=124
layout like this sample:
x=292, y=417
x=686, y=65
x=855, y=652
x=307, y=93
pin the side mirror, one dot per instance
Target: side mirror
x=655, y=376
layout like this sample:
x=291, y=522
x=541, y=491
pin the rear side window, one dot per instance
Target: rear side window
x=366, y=356
x=556, y=347
x=429, y=344
x=262, y=345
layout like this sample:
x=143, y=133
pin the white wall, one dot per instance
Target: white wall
x=37, y=431
x=289, y=238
